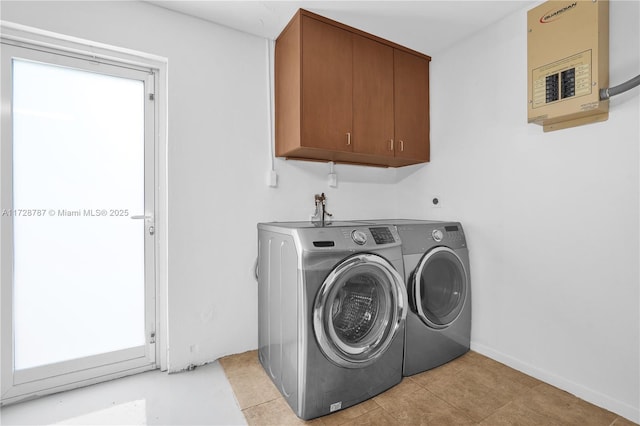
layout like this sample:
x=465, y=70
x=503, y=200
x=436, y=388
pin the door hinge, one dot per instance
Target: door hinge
x=152, y=96
x=152, y=337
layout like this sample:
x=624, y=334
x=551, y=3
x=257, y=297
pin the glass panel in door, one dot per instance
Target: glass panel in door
x=78, y=162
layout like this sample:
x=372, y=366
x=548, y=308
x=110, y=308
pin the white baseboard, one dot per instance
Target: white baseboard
x=594, y=397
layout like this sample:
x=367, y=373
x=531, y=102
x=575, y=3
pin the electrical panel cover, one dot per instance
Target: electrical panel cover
x=568, y=63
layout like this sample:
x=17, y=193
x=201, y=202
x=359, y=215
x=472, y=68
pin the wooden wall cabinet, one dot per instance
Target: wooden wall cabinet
x=346, y=96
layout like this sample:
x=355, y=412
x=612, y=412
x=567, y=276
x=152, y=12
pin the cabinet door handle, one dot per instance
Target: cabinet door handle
x=391, y=144
x=348, y=138
x=401, y=145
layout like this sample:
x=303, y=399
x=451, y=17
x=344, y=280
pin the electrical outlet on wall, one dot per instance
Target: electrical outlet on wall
x=272, y=179
x=435, y=201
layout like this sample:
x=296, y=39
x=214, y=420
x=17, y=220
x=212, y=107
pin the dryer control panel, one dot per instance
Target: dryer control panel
x=419, y=238
x=453, y=233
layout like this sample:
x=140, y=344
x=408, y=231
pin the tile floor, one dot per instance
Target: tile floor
x=199, y=397
x=471, y=390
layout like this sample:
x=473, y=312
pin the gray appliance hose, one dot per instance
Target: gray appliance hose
x=620, y=88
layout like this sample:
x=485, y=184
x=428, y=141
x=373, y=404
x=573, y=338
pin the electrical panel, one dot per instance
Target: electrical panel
x=568, y=63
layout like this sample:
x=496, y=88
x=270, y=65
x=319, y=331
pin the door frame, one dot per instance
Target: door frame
x=33, y=38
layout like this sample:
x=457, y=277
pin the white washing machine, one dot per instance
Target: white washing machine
x=331, y=307
x=436, y=266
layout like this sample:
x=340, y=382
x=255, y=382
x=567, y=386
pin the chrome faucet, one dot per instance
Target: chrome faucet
x=321, y=202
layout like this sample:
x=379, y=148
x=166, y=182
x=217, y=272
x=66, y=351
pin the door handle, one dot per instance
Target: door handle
x=142, y=216
x=152, y=228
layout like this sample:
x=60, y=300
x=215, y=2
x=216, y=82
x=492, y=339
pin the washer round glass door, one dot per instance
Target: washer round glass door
x=358, y=310
x=439, y=287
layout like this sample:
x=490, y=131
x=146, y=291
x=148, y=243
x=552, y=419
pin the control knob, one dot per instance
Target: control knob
x=359, y=237
x=437, y=235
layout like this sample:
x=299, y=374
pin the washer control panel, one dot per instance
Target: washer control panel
x=371, y=235
x=382, y=235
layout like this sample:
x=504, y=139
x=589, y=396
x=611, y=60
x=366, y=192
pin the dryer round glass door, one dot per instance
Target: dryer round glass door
x=358, y=310
x=439, y=287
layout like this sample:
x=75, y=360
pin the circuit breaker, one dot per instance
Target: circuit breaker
x=568, y=63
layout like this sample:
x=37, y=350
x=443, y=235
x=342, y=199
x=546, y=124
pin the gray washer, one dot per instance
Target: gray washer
x=332, y=306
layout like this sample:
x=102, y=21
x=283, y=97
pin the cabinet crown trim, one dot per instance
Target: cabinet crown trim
x=304, y=12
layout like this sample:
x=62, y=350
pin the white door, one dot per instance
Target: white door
x=77, y=179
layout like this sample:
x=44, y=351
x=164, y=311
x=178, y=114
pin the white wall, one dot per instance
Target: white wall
x=551, y=218
x=219, y=158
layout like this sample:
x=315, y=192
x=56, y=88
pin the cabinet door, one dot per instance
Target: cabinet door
x=372, y=97
x=411, y=87
x=326, y=86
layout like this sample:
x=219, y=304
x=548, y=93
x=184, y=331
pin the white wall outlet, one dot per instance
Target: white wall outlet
x=272, y=179
x=435, y=202
x=333, y=180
